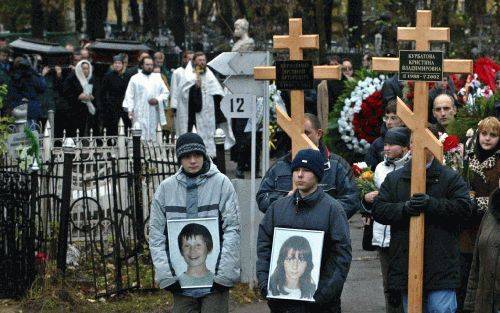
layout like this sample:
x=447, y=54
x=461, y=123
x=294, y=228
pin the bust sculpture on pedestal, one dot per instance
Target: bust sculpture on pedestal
x=244, y=43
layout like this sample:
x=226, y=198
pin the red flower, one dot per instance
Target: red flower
x=485, y=69
x=450, y=142
x=41, y=257
x=356, y=170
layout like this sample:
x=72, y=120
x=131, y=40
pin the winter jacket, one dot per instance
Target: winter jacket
x=215, y=197
x=338, y=182
x=483, y=289
x=317, y=211
x=382, y=233
x=483, y=179
x=25, y=83
x=449, y=207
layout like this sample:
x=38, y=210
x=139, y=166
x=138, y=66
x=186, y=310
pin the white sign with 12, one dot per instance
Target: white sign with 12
x=238, y=105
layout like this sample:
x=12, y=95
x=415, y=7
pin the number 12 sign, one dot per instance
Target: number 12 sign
x=238, y=106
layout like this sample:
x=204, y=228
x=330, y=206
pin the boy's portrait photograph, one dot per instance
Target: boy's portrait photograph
x=194, y=248
x=295, y=264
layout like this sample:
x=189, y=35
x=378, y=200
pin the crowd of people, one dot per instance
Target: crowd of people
x=315, y=190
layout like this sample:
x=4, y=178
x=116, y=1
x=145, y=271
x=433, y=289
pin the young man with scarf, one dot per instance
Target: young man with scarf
x=396, y=155
x=308, y=208
x=338, y=180
x=144, y=99
x=197, y=190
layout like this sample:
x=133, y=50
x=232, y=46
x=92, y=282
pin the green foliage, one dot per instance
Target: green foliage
x=469, y=116
x=4, y=122
x=15, y=15
x=332, y=137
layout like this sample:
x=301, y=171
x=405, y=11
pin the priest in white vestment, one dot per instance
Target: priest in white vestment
x=197, y=100
x=144, y=99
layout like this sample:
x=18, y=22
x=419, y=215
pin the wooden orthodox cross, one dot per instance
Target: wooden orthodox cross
x=295, y=42
x=423, y=139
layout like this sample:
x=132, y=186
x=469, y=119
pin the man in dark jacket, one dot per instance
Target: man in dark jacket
x=446, y=205
x=114, y=86
x=311, y=209
x=338, y=180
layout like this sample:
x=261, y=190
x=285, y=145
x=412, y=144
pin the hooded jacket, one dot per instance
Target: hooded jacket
x=382, y=233
x=316, y=211
x=449, y=206
x=210, y=194
x=338, y=182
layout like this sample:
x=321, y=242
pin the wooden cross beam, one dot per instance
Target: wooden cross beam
x=295, y=42
x=423, y=34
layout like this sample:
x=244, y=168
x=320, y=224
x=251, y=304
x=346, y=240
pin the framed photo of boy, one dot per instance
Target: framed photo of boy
x=194, y=247
x=295, y=264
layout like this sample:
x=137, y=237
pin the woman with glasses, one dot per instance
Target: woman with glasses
x=292, y=275
x=347, y=69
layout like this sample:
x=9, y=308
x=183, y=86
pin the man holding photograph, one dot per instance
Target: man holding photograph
x=308, y=208
x=197, y=190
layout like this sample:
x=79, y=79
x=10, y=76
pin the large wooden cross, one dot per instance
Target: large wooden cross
x=295, y=42
x=423, y=34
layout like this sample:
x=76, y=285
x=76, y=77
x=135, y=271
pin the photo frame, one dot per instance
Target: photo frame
x=295, y=264
x=194, y=246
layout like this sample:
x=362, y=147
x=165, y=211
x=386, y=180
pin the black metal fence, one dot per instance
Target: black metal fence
x=95, y=232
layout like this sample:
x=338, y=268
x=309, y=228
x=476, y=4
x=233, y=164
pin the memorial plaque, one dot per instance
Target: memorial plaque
x=420, y=65
x=294, y=75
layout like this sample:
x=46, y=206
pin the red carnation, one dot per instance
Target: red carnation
x=450, y=142
x=356, y=170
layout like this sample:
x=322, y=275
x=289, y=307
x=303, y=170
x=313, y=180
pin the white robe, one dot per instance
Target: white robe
x=205, y=119
x=140, y=89
x=177, y=77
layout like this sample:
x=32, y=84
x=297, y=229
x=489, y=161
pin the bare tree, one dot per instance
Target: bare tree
x=150, y=16
x=176, y=20
x=96, y=12
x=118, y=11
x=36, y=19
x=78, y=15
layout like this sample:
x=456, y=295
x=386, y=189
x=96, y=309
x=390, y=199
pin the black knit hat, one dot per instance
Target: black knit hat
x=310, y=159
x=398, y=136
x=188, y=143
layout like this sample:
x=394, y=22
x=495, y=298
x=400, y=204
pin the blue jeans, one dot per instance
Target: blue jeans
x=437, y=301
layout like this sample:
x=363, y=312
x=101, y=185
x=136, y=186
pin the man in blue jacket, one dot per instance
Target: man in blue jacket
x=337, y=181
x=308, y=207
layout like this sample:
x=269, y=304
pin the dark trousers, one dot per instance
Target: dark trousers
x=292, y=306
x=217, y=302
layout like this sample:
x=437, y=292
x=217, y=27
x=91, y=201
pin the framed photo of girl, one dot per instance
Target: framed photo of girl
x=295, y=264
x=194, y=247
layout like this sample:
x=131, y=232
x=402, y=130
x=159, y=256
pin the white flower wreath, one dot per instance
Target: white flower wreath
x=352, y=105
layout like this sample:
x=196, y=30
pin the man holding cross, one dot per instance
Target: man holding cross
x=446, y=205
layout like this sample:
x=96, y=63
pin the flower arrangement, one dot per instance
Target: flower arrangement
x=453, y=151
x=485, y=68
x=479, y=102
x=274, y=100
x=359, y=122
x=364, y=178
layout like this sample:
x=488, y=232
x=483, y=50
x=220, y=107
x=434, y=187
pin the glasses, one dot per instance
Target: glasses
x=300, y=259
x=345, y=69
x=388, y=118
